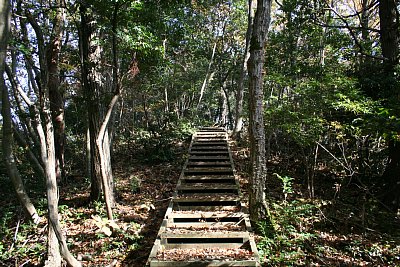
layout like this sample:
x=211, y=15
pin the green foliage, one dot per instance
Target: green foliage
x=16, y=235
x=288, y=243
x=135, y=184
x=286, y=235
x=287, y=184
x=105, y=226
x=158, y=145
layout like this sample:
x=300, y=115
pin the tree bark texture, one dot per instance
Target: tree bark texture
x=390, y=37
x=101, y=172
x=55, y=92
x=44, y=127
x=56, y=240
x=258, y=205
x=90, y=87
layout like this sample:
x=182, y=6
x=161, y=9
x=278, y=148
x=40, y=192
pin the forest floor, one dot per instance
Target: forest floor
x=345, y=228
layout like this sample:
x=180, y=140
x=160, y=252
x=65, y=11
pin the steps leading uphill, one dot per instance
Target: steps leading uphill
x=206, y=224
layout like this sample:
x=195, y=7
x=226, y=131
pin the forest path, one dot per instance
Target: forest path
x=206, y=223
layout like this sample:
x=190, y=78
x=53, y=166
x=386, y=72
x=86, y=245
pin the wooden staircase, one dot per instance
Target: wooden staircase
x=206, y=224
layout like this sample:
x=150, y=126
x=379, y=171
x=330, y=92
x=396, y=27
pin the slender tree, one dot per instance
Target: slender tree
x=262, y=17
x=8, y=140
x=243, y=71
x=55, y=94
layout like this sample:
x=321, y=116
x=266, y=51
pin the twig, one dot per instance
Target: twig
x=341, y=163
x=25, y=263
x=164, y=199
x=241, y=220
x=15, y=235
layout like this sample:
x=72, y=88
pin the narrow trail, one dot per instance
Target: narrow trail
x=205, y=223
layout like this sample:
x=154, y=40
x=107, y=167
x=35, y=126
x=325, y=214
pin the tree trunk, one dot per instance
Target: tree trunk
x=7, y=142
x=240, y=91
x=101, y=171
x=90, y=83
x=103, y=145
x=208, y=77
x=36, y=165
x=55, y=94
x=56, y=240
x=389, y=35
x=257, y=203
x=45, y=130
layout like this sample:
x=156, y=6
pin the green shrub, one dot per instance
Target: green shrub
x=286, y=234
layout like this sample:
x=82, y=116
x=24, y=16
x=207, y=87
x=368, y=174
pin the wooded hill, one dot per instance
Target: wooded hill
x=99, y=99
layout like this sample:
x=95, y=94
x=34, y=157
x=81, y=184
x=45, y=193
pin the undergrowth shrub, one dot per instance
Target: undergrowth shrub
x=19, y=239
x=158, y=144
x=286, y=235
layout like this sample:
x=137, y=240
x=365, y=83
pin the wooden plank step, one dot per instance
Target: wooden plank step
x=192, y=164
x=210, y=132
x=211, y=153
x=191, y=234
x=244, y=256
x=208, y=179
x=210, y=135
x=206, y=186
x=209, y=158
x=209, y=148
x=205, y=199
x=205, y=214
x=201, y=134
x=179, y=238
x=215, y=143
x=205, y=177
x=207, y=192
x=200, y=225
x=209, y=171
x=207, y=128
x=209, y=140
x=196, y=263
x=211, y=129
x=207, y=205
x=237, y=221
x=182, y=243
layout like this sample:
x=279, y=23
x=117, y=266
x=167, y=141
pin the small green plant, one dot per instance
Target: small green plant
x=135, y=183
x=105, y=226
x=287, y=184
x=99, y=207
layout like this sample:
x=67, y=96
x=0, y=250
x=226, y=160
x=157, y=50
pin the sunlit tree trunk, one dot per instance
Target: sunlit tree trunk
x=100, y=159
x=208, y=77
x=44, y=127
x=240, y=91
x=7, y=141
x=257, y=202
x=27, y=126
x=55, y=94
x=90, y=84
